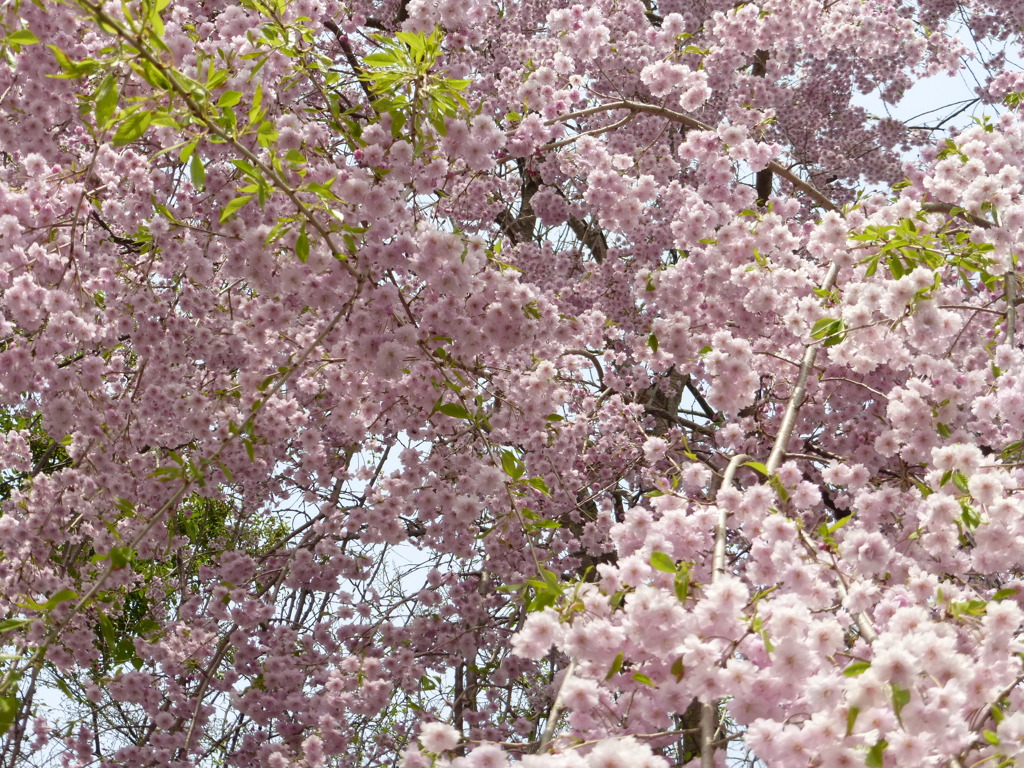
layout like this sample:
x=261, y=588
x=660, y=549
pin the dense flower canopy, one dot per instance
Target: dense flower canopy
x=481, y=383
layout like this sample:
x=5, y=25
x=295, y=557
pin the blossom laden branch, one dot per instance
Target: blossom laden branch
x=685, y=120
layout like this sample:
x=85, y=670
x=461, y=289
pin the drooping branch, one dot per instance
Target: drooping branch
x=708, y=715
x=691, y=122
x=796, y=397
x=556, y=709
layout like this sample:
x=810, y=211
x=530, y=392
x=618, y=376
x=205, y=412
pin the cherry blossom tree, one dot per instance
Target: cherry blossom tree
x=475, y=383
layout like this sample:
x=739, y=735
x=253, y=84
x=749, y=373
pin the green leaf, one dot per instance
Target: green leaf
x=8, y=624
x=538, y=483
x=61, y=597
x=991, y=737
x=851, y=719
x=776, y=484
x=663, y=562
x=229, y=98
x=146, y=626
x=22, y=37
x=970, y=516
x=379, y=60
x=257, y=100
x=415, y=41
x=106, y=100
x=830, y=329
x=758, y=467
x=875, y=754
x=72, y=69
x=120, y=557
x=1002, y=594
x=839, y=524
x=234, y=206
x=943, y=429
x=454, y=410
x=616, y=666
x=857, y=668
x=302, y=246
x=107, y=630
x=971, y=607
x=640, y=677
x=678, y=669
x=682, y=584
x=9, y=706
x=836, y=336
x=132, y=127
x=152, y=75
x=822, y=326
x=900, y=699
x=652, y=342
x=197, y=172
x=512, y=465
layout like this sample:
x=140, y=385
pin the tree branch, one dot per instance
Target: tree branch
x=691, y=122
x=556, y=709
x=592, y=237
x=796, y=397
x=708, y=715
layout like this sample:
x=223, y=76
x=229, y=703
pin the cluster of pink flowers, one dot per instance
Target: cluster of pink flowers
x=443, y=384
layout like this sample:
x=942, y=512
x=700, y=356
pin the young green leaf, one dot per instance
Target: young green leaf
x=22, y=37
x=197, y=172
x=132, y=127
x=856, y=668
x=663, y=562
x=876, y=754
x=537, y=483
x=105, y=100
x=616, y=667
x=234, y=206
x=512, y=465
x=851, y=719
x=8, y=624
x=229, y=98
x=640, y=677
x=9, y=706
x=454, y=410
x=678, y=669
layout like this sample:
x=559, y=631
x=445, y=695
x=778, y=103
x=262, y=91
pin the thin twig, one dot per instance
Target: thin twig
x=592, y=132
